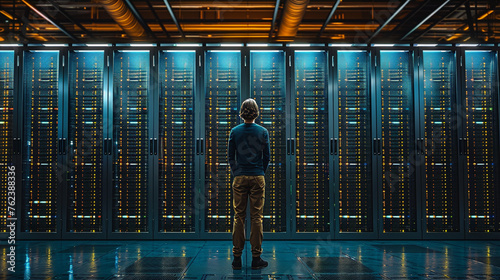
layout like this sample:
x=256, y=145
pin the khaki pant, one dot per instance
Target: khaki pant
x=244, y=188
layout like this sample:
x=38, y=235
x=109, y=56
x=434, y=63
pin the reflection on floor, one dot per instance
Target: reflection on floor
x=288, y=260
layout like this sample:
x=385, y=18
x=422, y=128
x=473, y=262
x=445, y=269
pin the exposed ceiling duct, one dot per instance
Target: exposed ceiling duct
x=291, y=18
x=120, y=13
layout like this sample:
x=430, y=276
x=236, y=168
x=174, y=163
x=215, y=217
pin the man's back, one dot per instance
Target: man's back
x=249, y=149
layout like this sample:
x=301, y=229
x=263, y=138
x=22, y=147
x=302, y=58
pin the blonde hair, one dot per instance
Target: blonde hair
x=249, y=110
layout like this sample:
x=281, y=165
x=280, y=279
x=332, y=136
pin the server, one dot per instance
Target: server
x=267, y=86
x=352, y=144
x=395, y=143
x=309, y=142
x=42, y=142
x=375, y=143
x=130, y=153
x=437, y=142
x=85, y=189
x=6, y=129
x=177, y=181
x=479, y=144
x=222, y=99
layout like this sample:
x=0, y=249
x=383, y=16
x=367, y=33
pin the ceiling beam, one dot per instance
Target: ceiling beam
x=470, y=20
x=60, y=10
x=158, y=18
x=275, y=14
x=172, y=15
x=388, y=20
x=425, y=19
x=327, y=21
x=440, y=20
x=411, y=15
x=50, y=20
x=139, y=18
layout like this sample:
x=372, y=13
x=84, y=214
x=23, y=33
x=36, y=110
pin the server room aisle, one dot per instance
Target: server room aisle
x=288, y=260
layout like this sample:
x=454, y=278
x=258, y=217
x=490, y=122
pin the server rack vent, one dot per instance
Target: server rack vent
x=398, y=179
x=222, y=91
x=267, y=70
x=311, y=142
x=40, y=162
x=130, y=137
x=176, y=160
x=85, y=184
x=355, y=167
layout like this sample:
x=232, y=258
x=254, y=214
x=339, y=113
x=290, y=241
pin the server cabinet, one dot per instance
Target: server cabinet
x=437, y=139
x=131, y=216
x=43, y=144
x=9, y=143
x=395, y=144
x=85, y=190
x=352, y=146
x=177, y=200
x=222, y=101
x=308, y=144
x=479, y=143
x=267, y=86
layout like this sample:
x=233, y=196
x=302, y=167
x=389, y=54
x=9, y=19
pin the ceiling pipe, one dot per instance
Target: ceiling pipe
x=120, y=13
x=292, y=17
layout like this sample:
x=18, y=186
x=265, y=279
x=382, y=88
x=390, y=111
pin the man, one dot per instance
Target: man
x=248, y=156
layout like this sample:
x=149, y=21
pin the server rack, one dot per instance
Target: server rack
x=84, y=194
x=131, y=103
x=394, y=144
x=437, y=145
x=479, y=141
x=9, y=142
x=222, y=98
x=307, y=145
x=177, y=199
x=268, y=87
x=351, y=145
x=43, y=143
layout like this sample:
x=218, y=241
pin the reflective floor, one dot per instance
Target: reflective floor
x=288, y=260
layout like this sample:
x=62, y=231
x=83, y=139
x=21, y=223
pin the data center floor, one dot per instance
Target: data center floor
x=288, y=260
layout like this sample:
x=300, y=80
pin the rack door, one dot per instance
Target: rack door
x=7, y=151
x=308, y=143
x=43, y=143
x=267, y=86
x=396, y=143
x=222, y=94
x=438, y=144
x=176, y=173
x=480, y=144
x=353, y=145
x=130, y=154
x=85, y=185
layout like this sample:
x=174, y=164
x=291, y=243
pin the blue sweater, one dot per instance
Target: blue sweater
x=249, y=150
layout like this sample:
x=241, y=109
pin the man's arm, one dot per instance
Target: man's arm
x=231, y=152
x=266, y=152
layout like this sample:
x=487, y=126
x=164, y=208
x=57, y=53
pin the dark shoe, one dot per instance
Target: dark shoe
x=237, y=263
x=258, y=263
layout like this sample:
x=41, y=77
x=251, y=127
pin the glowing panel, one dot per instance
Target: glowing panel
x=6, y=126
x=267, y=78
x=130, y=141
x=355, y=168
x=85, y=186
x=311, y=142
x=441, y=159
x=222, y=91
x=481, y=124
x=40, y=180
x=398, y=176
x=176, y=160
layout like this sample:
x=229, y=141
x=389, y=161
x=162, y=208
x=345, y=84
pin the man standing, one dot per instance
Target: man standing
x=248, y=156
